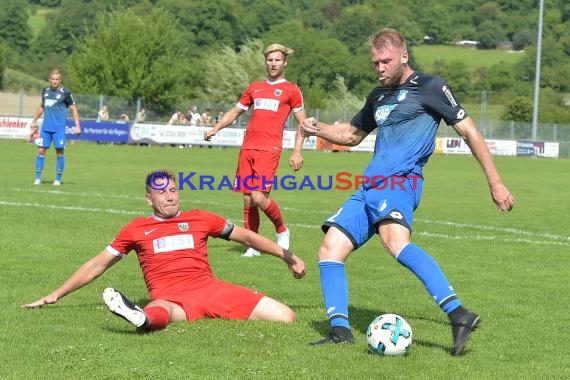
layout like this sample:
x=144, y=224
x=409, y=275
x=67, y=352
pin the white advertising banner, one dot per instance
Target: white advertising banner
x=366, y=145
x=551, y=150
x=502, y=147
x=15, y=127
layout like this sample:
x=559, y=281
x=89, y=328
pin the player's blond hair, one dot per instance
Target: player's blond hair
x=387, y=38
x=158, y=173
x=277, y=47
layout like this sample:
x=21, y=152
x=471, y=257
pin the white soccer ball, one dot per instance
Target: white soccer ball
x=389, y=334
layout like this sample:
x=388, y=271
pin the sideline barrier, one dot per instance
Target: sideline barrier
x=118, y=132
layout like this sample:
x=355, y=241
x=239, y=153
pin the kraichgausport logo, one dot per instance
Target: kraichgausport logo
x=338, y=181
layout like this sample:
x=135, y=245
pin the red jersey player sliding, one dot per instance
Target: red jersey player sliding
x=172, y=250
x=271, y=100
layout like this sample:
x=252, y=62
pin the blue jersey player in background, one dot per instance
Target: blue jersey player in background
x=56, y=100
x=406, y=110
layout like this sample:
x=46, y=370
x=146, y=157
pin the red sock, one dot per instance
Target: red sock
x=274, y=214
x=251, y=218
x=158, y=316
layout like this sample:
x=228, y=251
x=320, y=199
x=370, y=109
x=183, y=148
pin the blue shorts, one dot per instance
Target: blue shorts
x=46, y=138
x=359, y=216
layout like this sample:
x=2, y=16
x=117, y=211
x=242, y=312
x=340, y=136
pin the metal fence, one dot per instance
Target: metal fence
x=488, y=122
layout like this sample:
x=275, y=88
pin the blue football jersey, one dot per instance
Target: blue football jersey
x=55, y=104
x=407, y=118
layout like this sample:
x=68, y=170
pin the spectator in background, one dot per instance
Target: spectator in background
x=178, y=117
x=206, y=118
x=141, y=116
x=103, y=114
x=123, y=118
x=218, y=117
x=34, y=134
x=193, y=116
x=54, y=106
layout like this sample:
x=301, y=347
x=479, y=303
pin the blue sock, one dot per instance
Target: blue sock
x=428, y=271
x=335, y=292
x=60, y=163
x=39, y=165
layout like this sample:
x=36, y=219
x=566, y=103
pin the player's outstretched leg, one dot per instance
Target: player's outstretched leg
x=121, y=306
x=463, y=322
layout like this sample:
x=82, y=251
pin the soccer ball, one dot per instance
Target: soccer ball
x=389, y=334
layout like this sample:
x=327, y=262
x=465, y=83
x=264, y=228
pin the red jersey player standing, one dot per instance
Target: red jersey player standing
x=172, y=250
x=272, y=100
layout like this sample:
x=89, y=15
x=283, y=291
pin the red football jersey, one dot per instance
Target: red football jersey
x=272, y=103
x=172, y=253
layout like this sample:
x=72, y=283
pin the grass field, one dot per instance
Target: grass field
x=426, y=55
x=511, y=268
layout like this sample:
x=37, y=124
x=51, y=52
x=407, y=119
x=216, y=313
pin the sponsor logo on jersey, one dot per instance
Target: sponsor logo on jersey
x=382, y=205
x=402, y=95
x=382, y=113
x=173, y=243
x=396, y=215
x=461, y=114
x=266, y=104
x=447, y=91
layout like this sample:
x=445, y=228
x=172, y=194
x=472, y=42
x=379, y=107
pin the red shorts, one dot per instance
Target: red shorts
x=218, y=299
x=256, y=170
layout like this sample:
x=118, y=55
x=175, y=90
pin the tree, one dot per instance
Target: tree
x=15, y=31
x=133, y=55
x=354, y=23
x=519, y=110
x=227, y=72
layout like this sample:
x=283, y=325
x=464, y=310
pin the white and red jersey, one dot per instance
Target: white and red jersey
x=172, y=253
x=272, y=103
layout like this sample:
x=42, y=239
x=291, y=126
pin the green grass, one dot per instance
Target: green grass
x=512, y=268
x=427, y=55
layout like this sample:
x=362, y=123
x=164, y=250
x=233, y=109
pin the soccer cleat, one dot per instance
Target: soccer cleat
x=338, y=335
x=37, y=181
x=251, y=253
x=121, y=306
x=283, y=239
x=56, y=183
x=462, y=328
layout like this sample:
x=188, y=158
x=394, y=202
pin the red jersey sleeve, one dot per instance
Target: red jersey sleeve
x=246, y=99
x=214, y=222
x=123, y=243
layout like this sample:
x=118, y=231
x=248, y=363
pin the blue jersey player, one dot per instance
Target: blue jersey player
x=56, y=100
x=406, y=110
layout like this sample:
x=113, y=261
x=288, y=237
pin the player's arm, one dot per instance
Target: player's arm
x=86, y=273
x=296, y=159
x=263, y=244
x=75, y=114
x=37, y=115
x=501, y=195
x=227, y=119
x=341, y=134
